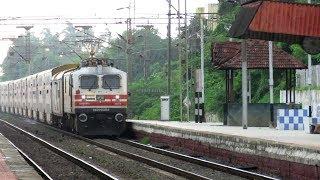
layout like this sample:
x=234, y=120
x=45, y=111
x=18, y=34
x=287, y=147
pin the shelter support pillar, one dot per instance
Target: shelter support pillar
x=249, y=86
x=271, y=83
x=310, y=80
x=287, y=88
x=309, y=84
x=244, y=85
x=230, y=81
x=294, y=85
x=290, y=85
x=227, y=86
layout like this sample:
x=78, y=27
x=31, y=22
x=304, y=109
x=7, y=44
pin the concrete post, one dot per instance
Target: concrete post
x=244, y=85
x=271, y=81
x=310, y=80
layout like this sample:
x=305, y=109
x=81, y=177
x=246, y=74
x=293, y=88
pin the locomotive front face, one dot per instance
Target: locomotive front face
x=100, y=100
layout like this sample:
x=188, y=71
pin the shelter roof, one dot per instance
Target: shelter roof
x=227, y=55
x=277, y=21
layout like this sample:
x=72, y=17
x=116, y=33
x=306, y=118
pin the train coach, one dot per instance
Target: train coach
x=89, y=99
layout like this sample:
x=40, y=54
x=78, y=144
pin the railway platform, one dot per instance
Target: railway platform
x=289, y=154
x=12, y=164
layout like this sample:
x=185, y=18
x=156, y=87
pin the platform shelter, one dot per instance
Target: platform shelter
x=226, y=56
x=281, y=21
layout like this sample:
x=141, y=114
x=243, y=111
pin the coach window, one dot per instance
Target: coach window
x=65, y=84
x=111, y=82
x=88, y=82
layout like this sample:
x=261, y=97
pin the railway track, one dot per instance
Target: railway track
x=209, y=164
x=168, y=168
x=148, y=161
x=201, y=162
x=40, y=171
x=81, y=163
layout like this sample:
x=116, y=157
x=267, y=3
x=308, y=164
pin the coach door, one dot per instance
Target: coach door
x=70, y=91
x=57, y=97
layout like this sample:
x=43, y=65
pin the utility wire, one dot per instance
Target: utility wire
x=18, y=53
x=71, y=50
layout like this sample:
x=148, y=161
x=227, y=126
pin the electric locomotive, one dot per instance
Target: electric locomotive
x=90, y=99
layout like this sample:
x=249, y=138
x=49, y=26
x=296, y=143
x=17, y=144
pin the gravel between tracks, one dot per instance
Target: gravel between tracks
x=207, y=172
x=56, y=166
x=119, y=166
x=186, y=152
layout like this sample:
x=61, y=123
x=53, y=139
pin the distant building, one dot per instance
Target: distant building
x=200, y=10
x=212, y=18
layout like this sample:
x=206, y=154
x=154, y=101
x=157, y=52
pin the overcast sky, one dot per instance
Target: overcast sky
x=81, y=9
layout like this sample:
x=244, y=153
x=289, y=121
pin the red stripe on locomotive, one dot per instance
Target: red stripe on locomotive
x=99, y=103
x=79, y=96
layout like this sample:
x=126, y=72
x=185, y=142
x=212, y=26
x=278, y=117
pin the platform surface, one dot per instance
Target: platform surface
x=12, y=164
x=295, y=138
x=290, y=154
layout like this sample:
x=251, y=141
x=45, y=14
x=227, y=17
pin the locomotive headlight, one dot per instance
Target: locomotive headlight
x=83, y=117
x=119, y=117
x=117, y=97
x=83, y=97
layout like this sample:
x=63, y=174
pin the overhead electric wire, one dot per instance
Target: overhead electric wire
x=18, y=53
x=90, y=35
x=80, y=23
x=71, y=50
x=7, y=21
x=89, y=18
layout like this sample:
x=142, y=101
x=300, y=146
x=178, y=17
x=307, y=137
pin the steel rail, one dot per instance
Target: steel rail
x=40, y=171
x=81, y=163
x=209, y=164
x=205, y=163
x=150, y=162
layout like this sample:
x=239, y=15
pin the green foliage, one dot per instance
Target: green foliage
x=156, y=51
x=145, y=140
x=46, y=52
x=143, y=103
x=146, y=105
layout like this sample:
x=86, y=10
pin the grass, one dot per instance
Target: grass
x=145, y=140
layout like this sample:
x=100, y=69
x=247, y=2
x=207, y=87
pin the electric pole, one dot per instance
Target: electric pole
x=186, y=58
x=128, y=50
x=180, y=62
x=129, y=41
x=145, y=54
x=28, y=47
x=169, y=50
x=202, y=64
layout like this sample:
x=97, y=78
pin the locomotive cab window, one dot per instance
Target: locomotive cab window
x=88, y=82
x=111, y=81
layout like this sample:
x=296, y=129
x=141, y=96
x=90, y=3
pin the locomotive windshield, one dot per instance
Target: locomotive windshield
x=89, y=82
x=111, y=81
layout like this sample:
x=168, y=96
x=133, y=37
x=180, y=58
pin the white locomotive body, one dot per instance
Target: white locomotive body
x=90, y=99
